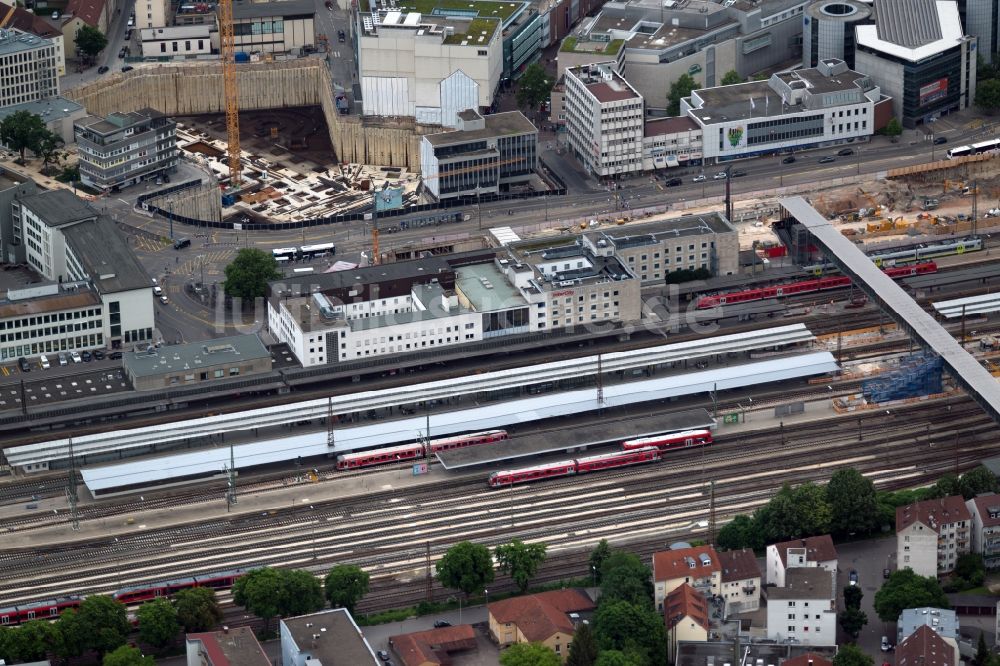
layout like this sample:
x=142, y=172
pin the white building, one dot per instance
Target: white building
x=604, y=119
x=29, y=22
x=671, y=142
x=827, y=105
x=930, y=535
x=985, y=511
x=804, y=609
x=182, y=40
x=272, y=27
x=98, y=295
x=151, y=14
x=327, y=637
x=816, y=551
x=29, y=68
x=943, y=622
x=427, y=68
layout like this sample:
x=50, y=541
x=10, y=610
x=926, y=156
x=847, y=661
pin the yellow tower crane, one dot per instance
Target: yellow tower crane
x=232, y=92
x=7, y=17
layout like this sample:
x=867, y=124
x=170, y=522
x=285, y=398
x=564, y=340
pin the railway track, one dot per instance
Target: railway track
x=634, y=504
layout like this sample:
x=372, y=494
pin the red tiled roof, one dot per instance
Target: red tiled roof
x=30, y=22
x=539, y=616
x=88, y=11
x=925, y=647
x=807, y=659
x=933, y=513
x=669, y=126
x=685, y=601
x=670, y=564
x=818, y=548
x=433, y=645
x=984, y=503
x=738, y=565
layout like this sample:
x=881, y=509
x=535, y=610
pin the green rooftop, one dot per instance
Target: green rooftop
x=479, y=27
x=572, y=45
x=480, y=8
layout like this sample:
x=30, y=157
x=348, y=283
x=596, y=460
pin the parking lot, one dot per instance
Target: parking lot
x=42, y=390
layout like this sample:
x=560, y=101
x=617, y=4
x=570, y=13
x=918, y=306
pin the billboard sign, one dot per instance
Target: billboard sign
x=933, y=91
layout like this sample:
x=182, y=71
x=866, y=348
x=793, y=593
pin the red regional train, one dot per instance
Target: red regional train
x=416, y=450
x=577, y=466
x=806, y=286
x=670, y=441
x=52, y=608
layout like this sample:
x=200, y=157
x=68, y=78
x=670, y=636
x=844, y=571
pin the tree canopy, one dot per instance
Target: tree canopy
x=29, y=642
x=629, y=627
x=259, y=591
x=988, y=95
x=127, y=656
x=583, y=650
x=248, y=274
x=104, y=623
x=851, y=655
x=598, y=556
x=23, y=130
x=679, y=89
x=158, y=623
x=616, y=658
x=534, y=86
x=731, y=77
x=467, y=567
x=625, y=577
x=197, y=609
x=853, y=596
x=852, y=620
x=529, y=654
x=978, y=481
x=853, y=503
x=345, y=585
x=893, y=127
x=301, y=593
x=90, y=41
x=906, y=589
x=520, y=560
x=740, y=532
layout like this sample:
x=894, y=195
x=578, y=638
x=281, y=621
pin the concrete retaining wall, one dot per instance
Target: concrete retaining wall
x=197, y=88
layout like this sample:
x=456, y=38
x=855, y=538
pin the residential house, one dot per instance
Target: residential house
x=985, y=511
x=943, y=622
x=816, y=551
x=740, y=580
x=434, y=646
x=697, y=566
x=930, y=535
x=805, y=608
x=545, y=618
x=925, y=647
x=685, y=612
x=79, y=13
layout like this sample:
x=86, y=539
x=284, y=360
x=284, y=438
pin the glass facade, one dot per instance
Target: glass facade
x=783, y=129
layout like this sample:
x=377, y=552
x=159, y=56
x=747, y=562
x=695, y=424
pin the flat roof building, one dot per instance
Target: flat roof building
x=29, y=67
x=482, y=156
x=125, y=148
x=230, y=647
x=58, y=113
x=181, y=365
x=329, y=637
x=273, y=27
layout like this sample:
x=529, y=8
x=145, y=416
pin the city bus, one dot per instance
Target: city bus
x=307, y=252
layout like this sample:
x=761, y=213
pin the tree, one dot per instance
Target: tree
x=740, y=532
x=48, y=148
x=534, y=87
x=852, y=620
x=731, y=77
x=583, y=650
x=946, y=486
x=853, y=596
x=799, y=512
x=970, y=570
x=104, y=623
x=598, y=556
x=127, y=656
x=520, y=560
x=983, y=654
x=988, y=95
x=624, y=577
x=301, y=593
x=893, y=127
x=978, y=481
x=22, y=130
x=853, y=503
x=620, y=625
x=90, y=41
x=73, y=637
x=7, y=643
x=906, y=589
x=248, y=274
x=197, y=609
x=467, y=567
x=615, y=658
x=158, y=623
x=679, y=89
x=259, y=591
x=851, y=655
x=529, y=654
x=32, y=641
x=345, y=585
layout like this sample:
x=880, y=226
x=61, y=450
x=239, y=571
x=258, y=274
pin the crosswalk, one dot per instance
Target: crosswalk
x=215, y=263
x=151, y=244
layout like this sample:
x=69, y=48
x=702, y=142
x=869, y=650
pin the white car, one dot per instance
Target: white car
x=164, y=300
x=719, y=176
x=700, y=178
x=76, y=357
x=157, y=291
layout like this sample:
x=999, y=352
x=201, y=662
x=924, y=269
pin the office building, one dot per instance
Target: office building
x=273, y=27
x=917, y=53
x=58, y=113
x=981, y=19
x=484, y=155
x=604, y=120
x=930, y=535
x=28, y=22
x=827, y=105
x=181, y=365
x=182, y=40
x=29, y=68
x=328, y=637
x=828, y=30
x=125, y=148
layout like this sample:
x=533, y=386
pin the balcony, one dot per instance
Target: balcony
x=749, y=589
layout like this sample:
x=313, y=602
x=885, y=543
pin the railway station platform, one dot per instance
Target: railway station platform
x=569, y=439
x=983, y=273
x=969, y=306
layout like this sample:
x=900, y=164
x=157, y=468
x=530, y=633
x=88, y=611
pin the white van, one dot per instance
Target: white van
x=43, y=360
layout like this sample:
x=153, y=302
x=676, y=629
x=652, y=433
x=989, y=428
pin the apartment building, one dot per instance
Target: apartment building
x=686, y=614
x=740, y=587
x=151, y=14
x=125, y=148
x=804, y=609
x=697, y=567
x=925, y=647
x=985, y=512
x=484, y=155
x=816, y=551
x=930, y=535
x=942, y=622
x=29, y=67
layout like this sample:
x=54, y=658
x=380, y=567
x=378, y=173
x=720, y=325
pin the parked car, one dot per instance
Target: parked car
x=127, y=68
x=164, y=300
x=674, y=182
x=441, y=623
x=886, y=573
x=845, y=152
x=719, y=176
x=63, y=359
x=157, y=291
x=43, y=361
x=736, y=173
x=98, y=354
x=886, y=645
x=341, y=36
x=939, y=140
x=115, y=356
x=23, y=364
x=828, y=159
x=86, y=356
x=789, y=160
x=102, y=69
x=853, y=577
x=700, y=178
x=382, y=654
x=75, y=356
x=122, y=52
x=128, y=34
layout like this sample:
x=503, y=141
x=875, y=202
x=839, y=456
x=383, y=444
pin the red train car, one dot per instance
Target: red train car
x=38, y=610
x=150, y=591
x=617, y=459
x=380, y=456
x=669, y=441
x=573, y=467
x=548, y=471
x=805, y=286
x=472, y=439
